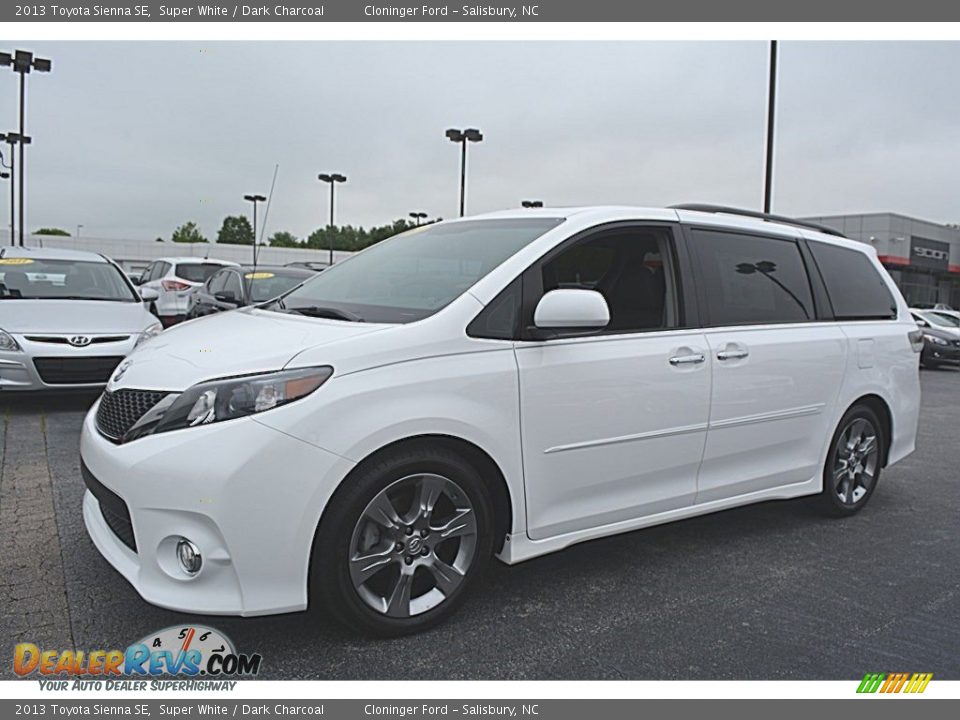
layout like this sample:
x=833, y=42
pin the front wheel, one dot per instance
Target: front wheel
x=853, y=464
x=403, y=540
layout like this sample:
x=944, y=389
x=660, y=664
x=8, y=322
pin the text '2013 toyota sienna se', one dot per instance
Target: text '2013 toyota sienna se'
x=507, y=384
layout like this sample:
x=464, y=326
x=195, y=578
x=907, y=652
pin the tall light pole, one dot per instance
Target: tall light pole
x=13, y=139
x=771, y=115
x=418, y=217
x=254, y=199
x=531, y=203
x=463, y=137
x=4, y=175
x=23, y=62
x=79, y=227
x=333, y=179
x=9, y=175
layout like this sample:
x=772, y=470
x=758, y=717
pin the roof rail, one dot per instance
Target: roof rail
x=723, y=209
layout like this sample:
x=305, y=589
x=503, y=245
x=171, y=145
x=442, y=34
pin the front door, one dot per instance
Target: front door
x=613, y=424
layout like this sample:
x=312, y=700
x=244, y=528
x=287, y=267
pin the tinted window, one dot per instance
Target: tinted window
x=499, y=319
x=856, y=289
x=196, y=272
x=413, y=275
x=629, y=268
x=217, y=282
x=233, y=285
x=750, y=280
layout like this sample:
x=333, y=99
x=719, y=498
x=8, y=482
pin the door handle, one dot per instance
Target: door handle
x=732, y=354
x=693, y=359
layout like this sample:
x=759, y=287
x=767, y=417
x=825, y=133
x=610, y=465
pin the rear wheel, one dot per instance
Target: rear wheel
x=399, y=547
x=854, y=462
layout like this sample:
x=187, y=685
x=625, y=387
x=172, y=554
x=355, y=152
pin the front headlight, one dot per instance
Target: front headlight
x=8, y=343
x=935, y=340
x=150, y=332
x=229, y=398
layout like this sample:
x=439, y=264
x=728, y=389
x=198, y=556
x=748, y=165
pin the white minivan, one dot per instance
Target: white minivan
x=507, y=384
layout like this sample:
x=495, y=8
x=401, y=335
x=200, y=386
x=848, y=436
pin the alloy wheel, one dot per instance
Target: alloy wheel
x=856, y=461
x=413, y=545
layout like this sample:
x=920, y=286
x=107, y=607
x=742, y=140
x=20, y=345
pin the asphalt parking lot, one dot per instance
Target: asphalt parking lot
x=772, y=591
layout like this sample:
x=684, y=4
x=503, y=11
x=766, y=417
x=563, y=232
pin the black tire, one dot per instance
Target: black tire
x=845, y=490
x=331, y=581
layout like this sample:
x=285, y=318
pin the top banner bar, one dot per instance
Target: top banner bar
x=532, y=11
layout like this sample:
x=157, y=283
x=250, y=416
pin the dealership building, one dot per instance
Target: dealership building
x=922, y=257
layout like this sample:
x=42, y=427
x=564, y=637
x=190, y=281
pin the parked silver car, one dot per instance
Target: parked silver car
x=67, y=319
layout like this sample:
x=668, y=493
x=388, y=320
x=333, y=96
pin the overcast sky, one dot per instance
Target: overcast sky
x=133, y=139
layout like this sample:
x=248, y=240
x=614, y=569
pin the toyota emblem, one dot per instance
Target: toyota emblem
x=124, y=366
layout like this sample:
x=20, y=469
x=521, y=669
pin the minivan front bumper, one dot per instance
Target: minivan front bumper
x=247, y=496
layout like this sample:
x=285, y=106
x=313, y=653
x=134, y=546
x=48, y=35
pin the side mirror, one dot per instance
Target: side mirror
x=922, y=323
x=148, y=294
x=226, y=297
x=569, y=309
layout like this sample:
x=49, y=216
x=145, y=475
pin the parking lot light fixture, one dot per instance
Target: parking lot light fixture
x=333, y=179
x=531, y=203
x=463, y=137
x=12, y=139
x=418, y=217
x=22, y=62
x=254, y=199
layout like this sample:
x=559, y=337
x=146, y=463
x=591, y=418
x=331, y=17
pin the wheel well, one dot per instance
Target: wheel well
x=485, y=465
x=880, y=407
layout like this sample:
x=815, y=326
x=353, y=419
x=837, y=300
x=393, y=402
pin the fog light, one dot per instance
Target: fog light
x=188, y=555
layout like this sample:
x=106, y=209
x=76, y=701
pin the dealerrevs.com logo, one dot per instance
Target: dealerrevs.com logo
x=894, y=683
x=189, y=651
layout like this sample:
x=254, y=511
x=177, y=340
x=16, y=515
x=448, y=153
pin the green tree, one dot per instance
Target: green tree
x=282, y=238
x=236, y=230
x=51, y=231
x=350, y=238
x=188, y=233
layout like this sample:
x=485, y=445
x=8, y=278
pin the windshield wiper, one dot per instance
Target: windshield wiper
x=319, y=311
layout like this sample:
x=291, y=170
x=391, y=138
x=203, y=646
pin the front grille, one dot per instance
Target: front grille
x=61, y=340
x=120, y=410
x=112, y=507
x=76, y=371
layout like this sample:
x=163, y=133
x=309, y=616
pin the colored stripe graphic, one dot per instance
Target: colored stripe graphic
x=894, y=682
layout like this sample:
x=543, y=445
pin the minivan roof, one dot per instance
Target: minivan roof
x=716, y=216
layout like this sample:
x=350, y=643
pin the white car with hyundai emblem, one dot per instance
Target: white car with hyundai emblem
x=67, y=318
x=509, y=385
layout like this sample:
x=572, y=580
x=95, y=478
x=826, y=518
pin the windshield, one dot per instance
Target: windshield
x=266, y=285
x=935, y=319
x=950, y=319
x=42, y=279
x=196, y=272
x=413, y=275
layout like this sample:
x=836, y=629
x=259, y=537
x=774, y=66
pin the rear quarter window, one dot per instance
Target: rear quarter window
x=856, y=289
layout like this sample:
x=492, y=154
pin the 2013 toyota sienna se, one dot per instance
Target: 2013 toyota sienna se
x=507, y=384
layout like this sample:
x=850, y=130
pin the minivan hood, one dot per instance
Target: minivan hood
x=238, y=342
x=76, y=317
